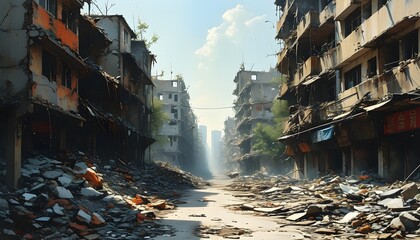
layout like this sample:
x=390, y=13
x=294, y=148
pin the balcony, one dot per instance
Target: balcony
x=344, y=8
x=48, y=22
x=327, y=13
x=310, y=67
x=282, y=64
x=329, y=60
x=389, y=20
x=311, y=20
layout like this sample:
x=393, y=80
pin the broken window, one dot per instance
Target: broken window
x=50, y=6
x=174, y=84
x=353, y=21
x=371, y=70
x=353, y=77
x=253, y=77
x=66, y=75
x=176, y=97
x=49, y=66
x=69, y=18
x=391, y=54
x=411, y=45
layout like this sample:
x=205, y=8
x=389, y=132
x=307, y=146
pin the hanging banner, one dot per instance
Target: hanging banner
x=402, y=121
x=323, y=134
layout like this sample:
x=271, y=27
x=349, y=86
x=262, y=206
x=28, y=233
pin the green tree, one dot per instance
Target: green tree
x=158, y=118
x=266, y=135
x=142, y=28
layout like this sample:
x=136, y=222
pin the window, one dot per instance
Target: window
x=170, y=96
x=411, y=45
x=160, y=96
x=49, y=66
x=66, y=75
x=371, y=70
x=176, y=97
x=253, y=77
x=70, y=18
x=367, y=10
x=50, y=6
x=174, y=84
x=353, y=77
x=126, y=36
x=381, y=3
x=353, y=21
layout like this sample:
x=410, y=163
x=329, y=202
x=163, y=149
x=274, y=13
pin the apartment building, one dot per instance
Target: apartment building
x=179, y=135
x=39, y=77
x=116, y=92
x=255, y=91
x=352, y=85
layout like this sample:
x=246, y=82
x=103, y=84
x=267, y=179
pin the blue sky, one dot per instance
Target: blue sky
x=206, y=41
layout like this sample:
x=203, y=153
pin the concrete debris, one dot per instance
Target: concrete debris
x=69, y=199
x=353, y=207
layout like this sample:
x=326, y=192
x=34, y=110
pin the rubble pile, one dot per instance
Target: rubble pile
x=332, y=206
x=76, y=196
x=228, y=232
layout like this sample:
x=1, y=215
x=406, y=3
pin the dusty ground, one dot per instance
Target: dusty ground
x=204, y=215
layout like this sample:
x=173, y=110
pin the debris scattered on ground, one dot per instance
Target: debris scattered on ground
x=77, y=196
x=353, y=207
x=228, y=232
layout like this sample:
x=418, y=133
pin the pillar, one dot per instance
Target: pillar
x=14, y=150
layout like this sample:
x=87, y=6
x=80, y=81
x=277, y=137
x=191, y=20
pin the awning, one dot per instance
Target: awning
x=323, y=134
x=311, y=80
x=367, y=109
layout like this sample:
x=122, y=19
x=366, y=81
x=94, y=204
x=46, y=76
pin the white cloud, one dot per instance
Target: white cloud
x=231, y=30
x=212, y=37
x=229, y=27
x=254, y=20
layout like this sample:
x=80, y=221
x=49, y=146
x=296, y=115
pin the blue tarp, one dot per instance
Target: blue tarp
x=323, y=134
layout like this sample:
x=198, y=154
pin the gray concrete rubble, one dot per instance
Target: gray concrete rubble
x=77, y=196
x=333, y=207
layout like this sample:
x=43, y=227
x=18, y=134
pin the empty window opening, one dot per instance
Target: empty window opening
x=66, y=76
x=160, y=96
x=176, y=97
x=391, y=55
x=411, y=45
x=50, y=6
x=170, y=96
x=353, y=21
x=49, y=66
x=253, y=77
x=371, y=70
x=174, y=84
x=353, y=77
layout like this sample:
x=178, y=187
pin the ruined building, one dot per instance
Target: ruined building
x=352, y=85
x=66, y=84
x=255, y=91
x=178, y=141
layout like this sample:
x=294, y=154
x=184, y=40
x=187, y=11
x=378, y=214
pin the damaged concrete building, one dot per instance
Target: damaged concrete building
x=179, y=138
x=53, y=100
x=352, y=85
x=255, y=91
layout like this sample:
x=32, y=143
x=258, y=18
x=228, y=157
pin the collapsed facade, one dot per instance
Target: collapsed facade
x=255, y=91
x=352, y=85
x=179, y=139
x=48, y=98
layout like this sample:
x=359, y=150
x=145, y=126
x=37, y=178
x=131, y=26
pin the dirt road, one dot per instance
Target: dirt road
x=206, y=209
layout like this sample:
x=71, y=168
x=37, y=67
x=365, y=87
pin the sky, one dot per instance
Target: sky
x=205, y=41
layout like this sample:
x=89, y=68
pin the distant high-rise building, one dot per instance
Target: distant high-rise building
x=203, y=133
x=216, y=137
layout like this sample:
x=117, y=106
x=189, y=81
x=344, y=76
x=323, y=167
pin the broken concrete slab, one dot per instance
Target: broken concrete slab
x=63, y=192
x=268, y=210
x=90, y=192
x=349, y=217
x=296, y=216
x=390, y=193
x=409, y=191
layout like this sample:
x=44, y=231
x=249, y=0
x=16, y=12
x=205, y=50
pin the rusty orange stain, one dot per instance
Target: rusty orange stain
x=42, y=18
